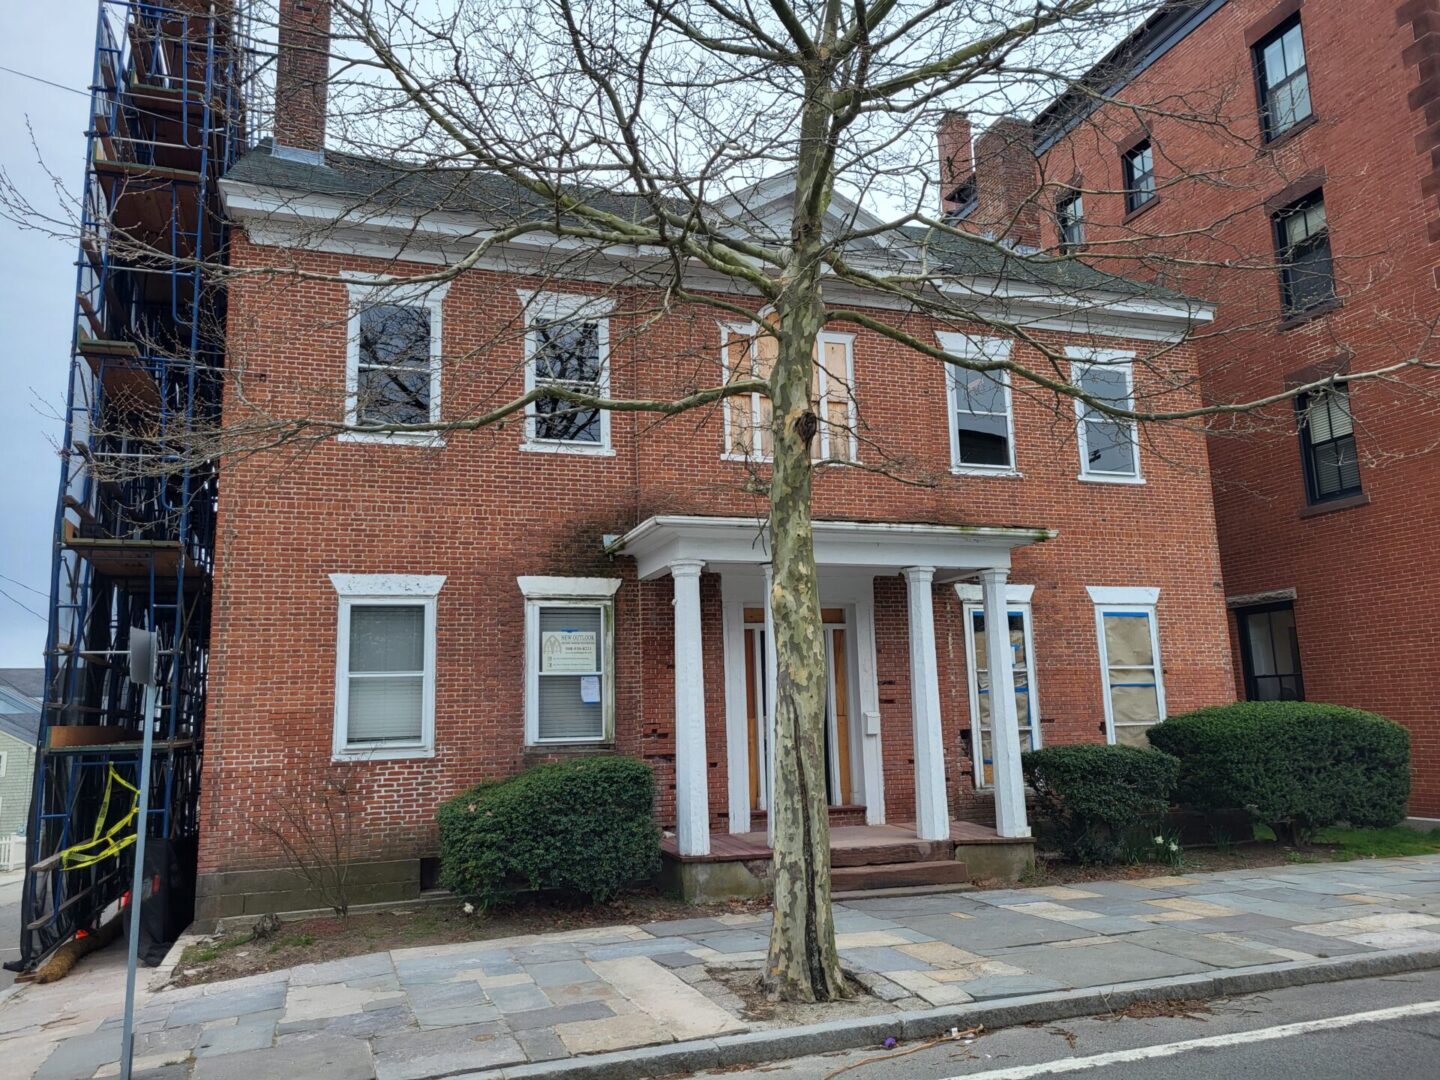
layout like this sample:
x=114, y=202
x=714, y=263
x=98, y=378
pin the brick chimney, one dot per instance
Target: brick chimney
x=957, y=160
x=1007, y=181
x=302, y=71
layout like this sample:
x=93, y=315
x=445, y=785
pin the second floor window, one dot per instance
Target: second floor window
x=1070, y=220
x=1108, y=449
x=982, y=427
x=1327, y=444
x=567, y=348
x=1302, y=250
x=1139, y=167
x=392, y=363
x=1284, y=81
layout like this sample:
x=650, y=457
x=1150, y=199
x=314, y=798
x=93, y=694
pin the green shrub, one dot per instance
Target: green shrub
x=584, y=826
x=1296, y=766
x=1096, y=800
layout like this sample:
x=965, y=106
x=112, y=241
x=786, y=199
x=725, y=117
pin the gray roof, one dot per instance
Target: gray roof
x=20, y=692
x=455, y=189
x=28, y=681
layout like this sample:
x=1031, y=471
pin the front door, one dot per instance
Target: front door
x=841, y=757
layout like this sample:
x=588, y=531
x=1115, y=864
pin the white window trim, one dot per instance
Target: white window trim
x=1084, y=357
x=568, y=592
x=1017, y=598
x=559, y=307
x=379, y=589
x=363, y=294
x=4, y=762
x=836, y=337
x=969, y=347
x=728, y=452
x=1128, y=601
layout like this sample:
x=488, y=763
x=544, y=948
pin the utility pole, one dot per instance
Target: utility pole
x=144, y=649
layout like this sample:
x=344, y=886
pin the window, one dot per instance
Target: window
x=567, y=347
x=1130, y=671
x=1022, y=665
x=1283, y=80
x=748, y=353
x=1070, y=220
x=1108, y=447
x=1270, y=652
x=1139, y=166
x=569, y=659
x=4, y=760
x=393, y=360
x=1302, y=242
x=982, y=431
x=1327, y=444
x=385, y=665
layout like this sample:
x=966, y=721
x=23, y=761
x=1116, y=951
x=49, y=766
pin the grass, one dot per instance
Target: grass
x=1380, y=843
x=204, y=954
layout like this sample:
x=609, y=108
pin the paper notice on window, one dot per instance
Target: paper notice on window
x=568, y=651
x=590, y=689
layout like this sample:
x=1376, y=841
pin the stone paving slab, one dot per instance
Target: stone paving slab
x=482, y=1007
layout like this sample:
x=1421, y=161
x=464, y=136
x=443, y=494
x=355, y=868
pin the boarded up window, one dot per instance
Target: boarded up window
x=1021, y=668
x=1132, y=674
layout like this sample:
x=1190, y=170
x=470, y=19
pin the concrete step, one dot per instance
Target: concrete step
x=898, y=875
x=902, y=890
x=904, y=851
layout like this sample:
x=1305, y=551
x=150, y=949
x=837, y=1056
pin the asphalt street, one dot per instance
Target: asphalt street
x=9, y=922
x=1387, y=1027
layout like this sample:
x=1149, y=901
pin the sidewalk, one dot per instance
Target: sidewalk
x=497, y=1005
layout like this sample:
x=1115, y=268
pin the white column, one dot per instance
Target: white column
x=1004, y=725
x=770, y=684
x=692, y=794
x=932, y=807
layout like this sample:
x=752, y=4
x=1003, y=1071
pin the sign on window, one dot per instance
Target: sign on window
x=568, y=651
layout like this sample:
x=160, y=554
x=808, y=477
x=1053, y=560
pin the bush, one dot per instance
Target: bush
x=584, y=826
x=1295, y=766
x=1098, y=799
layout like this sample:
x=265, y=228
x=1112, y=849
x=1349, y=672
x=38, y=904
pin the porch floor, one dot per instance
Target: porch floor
x=738, y=847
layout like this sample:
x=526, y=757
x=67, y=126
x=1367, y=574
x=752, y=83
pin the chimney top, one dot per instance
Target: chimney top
x=302, y=74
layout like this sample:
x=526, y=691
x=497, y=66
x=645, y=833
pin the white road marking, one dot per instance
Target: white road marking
x=1235, y=1038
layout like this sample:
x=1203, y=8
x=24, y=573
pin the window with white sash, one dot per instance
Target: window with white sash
x=1133, y=679
x=567, y=349
x=982, y=425
x=1109, y=447
x=393, y=360
x=569, y=659
x=385, y=665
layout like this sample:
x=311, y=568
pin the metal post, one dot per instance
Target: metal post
x=142, y=670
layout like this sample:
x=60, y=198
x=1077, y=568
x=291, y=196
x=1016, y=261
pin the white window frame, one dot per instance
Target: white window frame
x=378, y=590
x=751, y=331
x=1017, y=600
x=554, y=307
x=1082, y=359
x=1127, y=601
x=4, y=762
x=548, y=592
x=363, y=294
x=969, y=347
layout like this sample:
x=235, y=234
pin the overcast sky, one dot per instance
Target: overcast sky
x=52, y=41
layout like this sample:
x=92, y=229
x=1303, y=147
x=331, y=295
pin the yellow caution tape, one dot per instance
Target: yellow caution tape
x=84, y=853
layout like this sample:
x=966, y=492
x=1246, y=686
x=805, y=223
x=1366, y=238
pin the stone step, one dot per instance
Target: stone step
x=898, y=875
x=904, y=851
x=902, y=890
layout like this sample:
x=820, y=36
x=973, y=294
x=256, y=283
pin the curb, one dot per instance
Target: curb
x=762, y=1046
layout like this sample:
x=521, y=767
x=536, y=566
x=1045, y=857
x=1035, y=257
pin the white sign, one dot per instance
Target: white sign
x=568, y=651
x=590, y=689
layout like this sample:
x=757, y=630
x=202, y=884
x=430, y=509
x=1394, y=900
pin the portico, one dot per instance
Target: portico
x=849, y=556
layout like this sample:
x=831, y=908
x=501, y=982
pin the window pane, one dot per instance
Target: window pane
x=571, y=640
x=568, y=352
x=1127, y=641
x=983, y=440
x=1337, y=469
x=1109, y=447
x=1132, y=735
x=1133, y=700
x=564, y=714
x=556, y=418
x=1289, y=103
x=977, y=392
x=385, y=709
x=1106, y=383
x=391, y=334
x=397, y=395
x=388, y=637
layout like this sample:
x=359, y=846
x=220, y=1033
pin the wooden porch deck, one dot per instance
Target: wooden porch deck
x=844, y=840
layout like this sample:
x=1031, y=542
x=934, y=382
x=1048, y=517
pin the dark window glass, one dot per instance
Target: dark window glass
x=982, y=419
x=1070, y=217
x=1139, y=165
x=1284, y=81
x=1302, y=240
x=393, y=376
x=1327, y=444
x=1270, y=653
x=1107, y=442
x=567, y=355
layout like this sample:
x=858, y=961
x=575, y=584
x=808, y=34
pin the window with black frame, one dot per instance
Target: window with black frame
x=1070, y=220
x=1302, y=243
x=1327, y=444
x=1270, y=652
x=1139, y=166
x=1283, y=79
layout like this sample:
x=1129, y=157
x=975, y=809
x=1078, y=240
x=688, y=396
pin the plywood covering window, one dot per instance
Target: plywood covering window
x=1130, y=670
x=1022, y=667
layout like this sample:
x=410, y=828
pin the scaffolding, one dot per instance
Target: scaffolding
x=135, y=518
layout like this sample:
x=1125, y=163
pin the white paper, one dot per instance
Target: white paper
x=590, y=689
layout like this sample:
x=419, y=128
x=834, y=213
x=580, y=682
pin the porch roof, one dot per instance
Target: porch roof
x=955, y=551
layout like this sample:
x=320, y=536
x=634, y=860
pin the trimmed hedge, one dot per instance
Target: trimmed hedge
x=1296, y=766
x=1097, y=799
x=584, y=826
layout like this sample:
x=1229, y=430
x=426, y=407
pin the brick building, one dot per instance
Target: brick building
x=408, y=615
x=1280, y=160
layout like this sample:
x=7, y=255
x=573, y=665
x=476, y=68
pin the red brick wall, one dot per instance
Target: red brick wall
x=1367, y=577
x=482, y=512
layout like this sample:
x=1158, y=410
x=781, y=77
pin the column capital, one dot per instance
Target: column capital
x=686, y=567
x=919, y=573
x=997, y=574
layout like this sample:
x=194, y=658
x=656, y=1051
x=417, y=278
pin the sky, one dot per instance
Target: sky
x=52, y=41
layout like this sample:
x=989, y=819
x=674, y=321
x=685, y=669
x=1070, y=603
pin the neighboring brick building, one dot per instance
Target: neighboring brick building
x=1304, y=134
